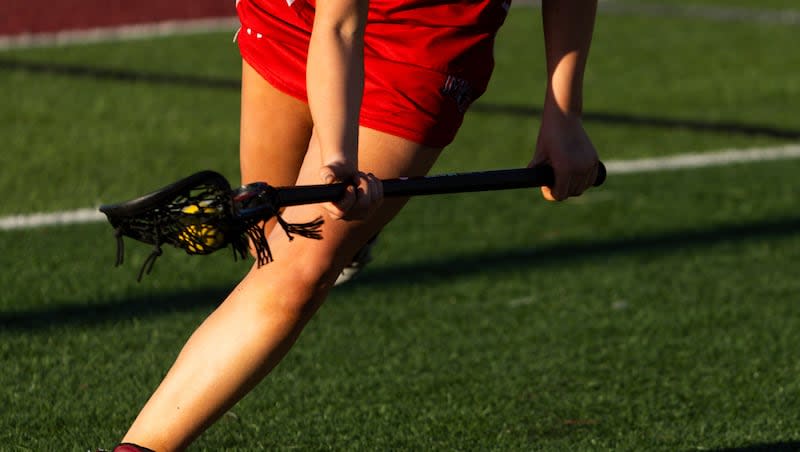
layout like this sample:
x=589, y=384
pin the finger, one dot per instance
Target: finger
x=327, y=175
x=578, y=186
x=369, y=197
x=593, y=175
x=547, y=194
x=539, y=159
x=362, y=194
x=378, y=188
x=339, y=209
x=357, y=207
x=375, y=191
x=560, y=191
x=336, y=172
x=586, y=182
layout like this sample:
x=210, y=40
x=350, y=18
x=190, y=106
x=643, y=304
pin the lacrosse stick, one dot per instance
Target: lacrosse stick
x=201, y=214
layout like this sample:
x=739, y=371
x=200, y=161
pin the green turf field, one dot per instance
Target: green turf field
x=659, y=312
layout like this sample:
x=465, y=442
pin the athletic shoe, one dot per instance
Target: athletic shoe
x=360, y=260
x=130, y=447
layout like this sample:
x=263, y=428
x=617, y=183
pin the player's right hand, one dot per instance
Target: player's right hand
x=363, y=196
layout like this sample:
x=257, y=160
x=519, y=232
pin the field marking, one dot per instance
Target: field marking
x=705, y=12
x=668, y=163
x=37, y=220
x=120, y=33
x=703, y=160
x=711, y=13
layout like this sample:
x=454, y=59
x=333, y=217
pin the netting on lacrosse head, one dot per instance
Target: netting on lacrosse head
x=193, y=214
x=200, y=214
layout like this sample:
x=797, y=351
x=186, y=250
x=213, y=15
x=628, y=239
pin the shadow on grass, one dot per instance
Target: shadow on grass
x=130, y=76
x=117, y=75
x=724, y=127
x=788, y=446
x=142, y=306
x=433, y=271
x=501, y=260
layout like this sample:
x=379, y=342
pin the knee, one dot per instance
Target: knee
x=294, y=288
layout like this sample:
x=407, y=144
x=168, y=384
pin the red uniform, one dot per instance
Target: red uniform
x=425, y=60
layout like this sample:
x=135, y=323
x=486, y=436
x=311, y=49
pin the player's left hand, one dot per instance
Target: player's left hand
x=564, y=144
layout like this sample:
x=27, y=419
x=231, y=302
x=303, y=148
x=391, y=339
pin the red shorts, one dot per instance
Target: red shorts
x=424, y=63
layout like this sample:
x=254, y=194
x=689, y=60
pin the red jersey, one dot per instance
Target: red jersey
x=444, y=35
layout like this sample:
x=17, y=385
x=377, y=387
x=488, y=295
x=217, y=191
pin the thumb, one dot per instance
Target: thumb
x=540, y=158
x=335, y=172
x=327, y=175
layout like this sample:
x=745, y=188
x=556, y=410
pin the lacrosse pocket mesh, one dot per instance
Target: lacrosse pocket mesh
x=193, y=214
x=200, y=214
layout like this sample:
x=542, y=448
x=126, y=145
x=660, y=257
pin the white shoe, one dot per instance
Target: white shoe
x=360, y=260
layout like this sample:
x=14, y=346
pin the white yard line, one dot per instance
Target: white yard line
x=673, y=162
x=36, y=220
x=712, y=13
x=703, y=12
x=702, y=160
x=120, y=33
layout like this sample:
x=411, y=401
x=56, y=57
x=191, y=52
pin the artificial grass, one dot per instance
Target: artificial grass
x=655, y=313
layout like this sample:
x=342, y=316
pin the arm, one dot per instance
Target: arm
x=335, y=83
x=562, y=142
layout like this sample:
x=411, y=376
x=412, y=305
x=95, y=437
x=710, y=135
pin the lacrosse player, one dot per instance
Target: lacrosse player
x=351, y=91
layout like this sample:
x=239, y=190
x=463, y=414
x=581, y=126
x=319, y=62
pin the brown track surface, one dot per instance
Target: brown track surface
x=48, y=16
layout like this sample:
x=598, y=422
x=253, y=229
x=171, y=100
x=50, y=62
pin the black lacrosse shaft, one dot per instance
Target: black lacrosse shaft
x=433, y=185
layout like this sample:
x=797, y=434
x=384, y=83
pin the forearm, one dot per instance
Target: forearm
x=335, y=80
x=568, y=28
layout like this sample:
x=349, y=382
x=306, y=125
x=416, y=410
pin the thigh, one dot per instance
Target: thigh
x=274, y=132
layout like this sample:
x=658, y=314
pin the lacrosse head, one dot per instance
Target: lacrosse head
x=200, y=214
x=194, y=214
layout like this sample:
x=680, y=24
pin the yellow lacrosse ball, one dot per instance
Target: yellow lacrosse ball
x=201, y=207
x=201, y=238
x=191, y=209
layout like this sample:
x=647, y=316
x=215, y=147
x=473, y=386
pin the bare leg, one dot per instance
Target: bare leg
x=249, y=333
x=274, y=132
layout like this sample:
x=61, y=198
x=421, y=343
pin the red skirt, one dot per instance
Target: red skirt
x=425, y=62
